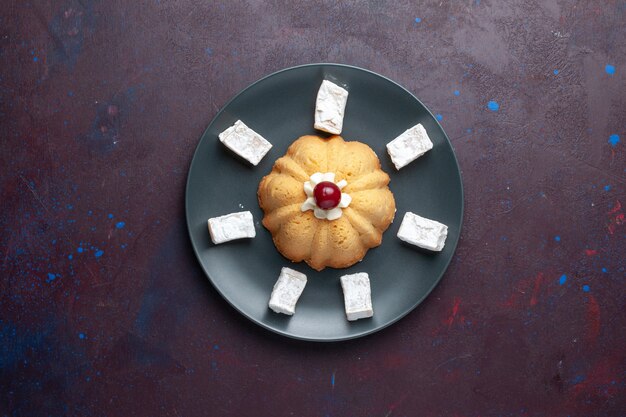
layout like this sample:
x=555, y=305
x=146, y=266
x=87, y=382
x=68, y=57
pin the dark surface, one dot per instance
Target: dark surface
x=101, y=106
x=281, y=108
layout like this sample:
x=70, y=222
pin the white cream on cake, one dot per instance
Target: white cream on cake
x=231, y=226
x=245, y=142
x=310, y=204
x=409, y=146
x=287, y=291
x=423, y=232
x=329, y=107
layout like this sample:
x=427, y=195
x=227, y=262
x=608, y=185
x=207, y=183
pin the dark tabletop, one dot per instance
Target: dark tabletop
x=104, y=309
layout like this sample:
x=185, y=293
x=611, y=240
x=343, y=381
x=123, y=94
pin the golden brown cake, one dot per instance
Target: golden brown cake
x=326, y=202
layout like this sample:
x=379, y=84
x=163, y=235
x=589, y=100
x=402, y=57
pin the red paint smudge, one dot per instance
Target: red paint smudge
x=614, y=222
x=591, y=252
x=532, y=285
x=455, y=310
x=520, y=290
x=538, y=281
x=598, y=381
x=395, y=362
x=453, y=375
x=593, y=318
x=616, y=208
x=616, y=217
x=510, y=302
x=395, y=405
x=363, y=371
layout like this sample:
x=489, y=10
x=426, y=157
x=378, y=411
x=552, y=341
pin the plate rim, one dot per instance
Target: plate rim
x=282, y=332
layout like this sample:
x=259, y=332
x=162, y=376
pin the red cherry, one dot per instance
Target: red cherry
x=327, y=195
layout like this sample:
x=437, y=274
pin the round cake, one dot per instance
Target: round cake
x=326, y=202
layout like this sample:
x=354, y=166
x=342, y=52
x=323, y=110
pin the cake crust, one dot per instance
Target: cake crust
x=300, y=236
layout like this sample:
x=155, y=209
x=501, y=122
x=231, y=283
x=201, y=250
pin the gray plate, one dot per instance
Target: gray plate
x=280, y=107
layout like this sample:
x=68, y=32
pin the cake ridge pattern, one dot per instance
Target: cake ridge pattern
x=300, y=236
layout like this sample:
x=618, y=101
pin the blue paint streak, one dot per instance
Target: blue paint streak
x=216, y=347
x=99, y=253
x=16, y=343
x=120, y=225
x=149, y=306
x=418, y=20
x=614, y=139
x=132, y=93
x=493, y=106
x=557, y=238
x=35, y=59
x=610, y=69
x=208, y=51
x=586, y=288
x=563, y=279
x=81, y=335
x=607, y=188
x=80, y=249
x=51, y=277
x=457, y=93
x=439, y=117
x=556, y=72
x=578, y=379
x=68, y=44
x=110, y=216
x=332, y=380
x=70, y=256
x=604, y=270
